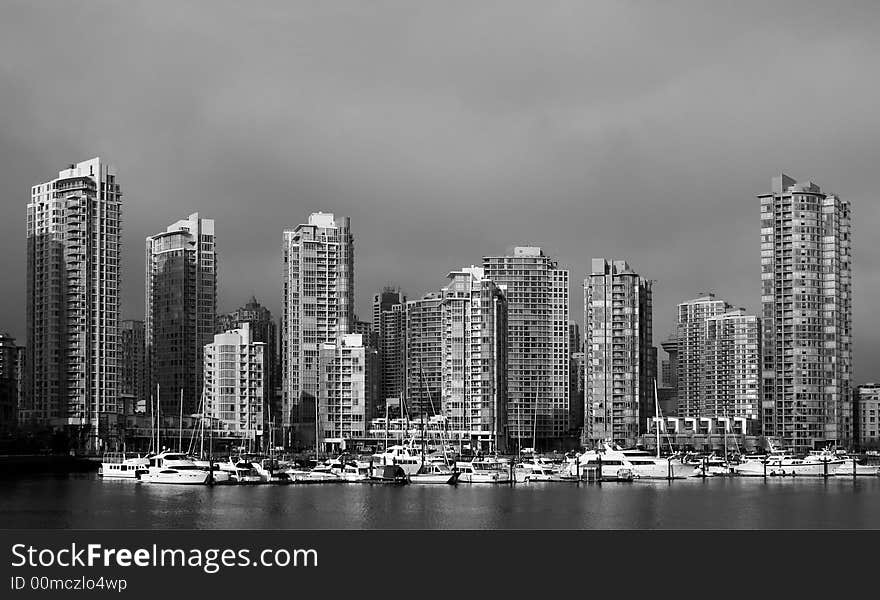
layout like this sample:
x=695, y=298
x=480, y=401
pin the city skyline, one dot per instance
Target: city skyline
x=667, y=181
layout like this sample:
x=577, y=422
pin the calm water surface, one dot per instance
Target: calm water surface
x=87, y=502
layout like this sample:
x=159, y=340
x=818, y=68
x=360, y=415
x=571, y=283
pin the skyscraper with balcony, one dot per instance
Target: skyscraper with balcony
x=537, y=343
x=73, y=237
x=348, y=391
x=318, y=308
x=423, y=360
x=180, y=311
x=691, y=336
x=473, y=334
x=619, y=353
x=262, y=328
x=389, y=333
x=235, y=378
x=806, y=299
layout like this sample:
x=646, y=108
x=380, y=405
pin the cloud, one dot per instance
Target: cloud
x=449, y=131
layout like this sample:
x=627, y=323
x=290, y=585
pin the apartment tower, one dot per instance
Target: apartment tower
x=537, y=343
x=318, y=308
x=806, y=299
x=73, y=239
x=180, y=311
x=619, y=353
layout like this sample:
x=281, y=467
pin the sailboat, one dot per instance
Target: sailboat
x=432, y=472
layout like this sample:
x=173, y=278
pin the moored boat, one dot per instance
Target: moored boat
x=115, y=465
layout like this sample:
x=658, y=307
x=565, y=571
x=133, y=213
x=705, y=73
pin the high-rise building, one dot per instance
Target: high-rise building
x=537, y=342
x=424, y=354
x=73, y=234
x=575, y=372
x=348, y=391
x=732, y=368
x=318, y=308
x=235, y=378
x=180, y=310
x=134, y=382
x=389, y=334
x=691, y=336
x=474, y=328
x=9, y=382
x=619, y=351
x=866, y=416
x=806, y=299
x=262, y=328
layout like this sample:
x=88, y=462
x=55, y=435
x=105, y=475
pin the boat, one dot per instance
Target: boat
x=435, y=473
x=643, y=465
x=534, y=470
x=850, y=467
x=388, y=474
x=780, y=463
x=174, y=468
x=710, y=466
x=116, y=466
x=403, y=456
x=482, y=471
x=356, y=471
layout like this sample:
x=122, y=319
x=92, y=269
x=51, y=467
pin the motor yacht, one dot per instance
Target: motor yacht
x=780, y=463
x=850, y=467
x=115, y=465
x=482, y=471
x=406, y=457
x=641, y=464
x=174, y=468
x=526, y=472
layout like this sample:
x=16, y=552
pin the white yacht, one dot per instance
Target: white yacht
x=534, y=470
x=780, y=463
x=482, y=471
x=641, y=464
x=115, y=465
x=850, y=467
x=174, y=468
x=406, y=457
x=356, y=471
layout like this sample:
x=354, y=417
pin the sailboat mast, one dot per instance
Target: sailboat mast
x=158, y=423
x=180, y=425
x=659, y=414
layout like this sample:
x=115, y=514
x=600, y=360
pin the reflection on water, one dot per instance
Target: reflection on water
x=87, y=502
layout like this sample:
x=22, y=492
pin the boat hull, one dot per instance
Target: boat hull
x=438, y=479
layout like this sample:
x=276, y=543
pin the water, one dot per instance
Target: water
x=87, y=502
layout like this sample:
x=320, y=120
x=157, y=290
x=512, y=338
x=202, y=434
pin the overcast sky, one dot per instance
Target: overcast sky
x=449, y=131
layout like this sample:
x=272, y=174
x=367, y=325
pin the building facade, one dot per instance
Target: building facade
x=538, y=344
x=732, y=377
x=9, y=383
x=180, y=311
x=262, y=328
x=473, y=332
x=866, y=416
x=318, y=308
x=691, y=363
x=348, y=391
x=423, y=362
x=806, y=299
x=619, y=353
x=134, y=384
x=389, y=333
x=73, y=238
x=235, y=378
